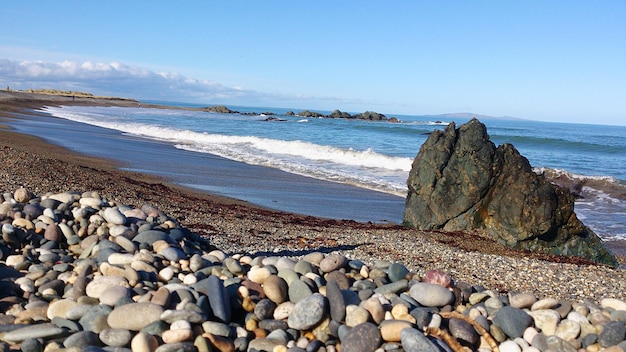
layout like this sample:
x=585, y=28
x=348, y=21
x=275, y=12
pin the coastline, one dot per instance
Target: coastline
x=237, y=226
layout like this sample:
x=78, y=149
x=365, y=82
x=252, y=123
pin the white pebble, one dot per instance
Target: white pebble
x=614, y=303
x=166, y=274
x=510, y=346
x=435, y=321
x=529, y=334
x=190, y=279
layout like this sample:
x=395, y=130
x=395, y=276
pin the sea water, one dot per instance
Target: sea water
x=378, y=155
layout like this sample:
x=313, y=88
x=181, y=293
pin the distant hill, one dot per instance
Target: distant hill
x=71, y=93
x=469, y=115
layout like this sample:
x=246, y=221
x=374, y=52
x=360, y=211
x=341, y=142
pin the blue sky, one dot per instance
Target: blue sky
x=542, y=60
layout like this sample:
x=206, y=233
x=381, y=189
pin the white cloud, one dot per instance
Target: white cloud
x=118, y=79
x=122, y=80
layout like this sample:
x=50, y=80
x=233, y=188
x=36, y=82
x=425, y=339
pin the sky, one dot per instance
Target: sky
x=541, y=60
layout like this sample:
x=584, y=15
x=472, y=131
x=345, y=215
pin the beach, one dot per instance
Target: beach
x=238, y=227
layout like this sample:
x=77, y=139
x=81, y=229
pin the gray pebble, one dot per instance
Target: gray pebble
x=613, y=333
x=82, y=339
x=414, y=341
x=397, y=272
x=364, y=337
x=512, y=321
x=431, y=295
x=308, y=312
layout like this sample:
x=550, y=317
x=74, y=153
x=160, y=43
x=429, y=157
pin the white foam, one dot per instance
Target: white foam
x=363, y=168
x=574, y=176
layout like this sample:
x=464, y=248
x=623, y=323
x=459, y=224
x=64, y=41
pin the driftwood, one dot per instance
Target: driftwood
x=446, y=337
x=485, y=334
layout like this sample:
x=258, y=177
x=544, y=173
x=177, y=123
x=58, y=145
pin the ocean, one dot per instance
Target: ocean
x=371, y=155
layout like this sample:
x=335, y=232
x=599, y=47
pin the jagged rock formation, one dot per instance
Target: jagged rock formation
x=460, y=181
x=337, y=114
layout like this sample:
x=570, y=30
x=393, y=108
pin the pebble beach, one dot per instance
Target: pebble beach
x=95, y=258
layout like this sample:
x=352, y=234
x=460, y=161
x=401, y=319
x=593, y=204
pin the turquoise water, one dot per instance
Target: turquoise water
x=378, y=155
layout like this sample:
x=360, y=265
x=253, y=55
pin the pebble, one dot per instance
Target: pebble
x=60, y=308
x=463, y=331
x=96, y=275
x=512, y=321
x=298, y=290
x=397, y=272
x=356, y=315
x=613, y=333
x=114, y=216
x=546, y=320
x=336, y=302
x=81, y=340
x=114, y=294
x=259, y=275
x=308, y=312
x=522, y=300
x=375, y=309
x=415, y=341
x=510, y=346
x=390, y=330
x=134, y=316
x=214, y=289
x=143, y=342
x=39, y=331
x=115, y=337
x=333, y=262
x=546, y=303
x=99, y=284
x=276, y=289
x=568, y=330
x=431, y=295
x=613, y=303
x=362, y=338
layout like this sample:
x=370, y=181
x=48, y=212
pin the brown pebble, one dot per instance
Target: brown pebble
x=161, y=297
x=248, y=305
x=259, y=333
x=221, y=343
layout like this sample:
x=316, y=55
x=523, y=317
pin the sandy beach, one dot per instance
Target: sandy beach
x=239, y=227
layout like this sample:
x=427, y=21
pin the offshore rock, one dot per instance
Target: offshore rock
x=460, y=181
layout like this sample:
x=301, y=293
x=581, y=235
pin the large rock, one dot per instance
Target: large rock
x=461, y=181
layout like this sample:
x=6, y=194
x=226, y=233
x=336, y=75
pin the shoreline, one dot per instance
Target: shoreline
x=240, y=227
